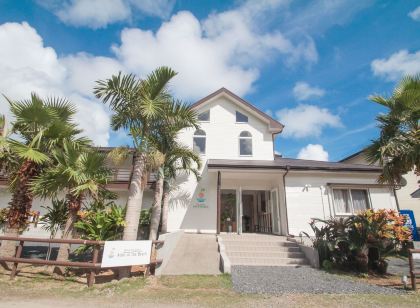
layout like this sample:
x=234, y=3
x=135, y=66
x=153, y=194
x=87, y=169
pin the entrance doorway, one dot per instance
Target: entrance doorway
x=250, y=211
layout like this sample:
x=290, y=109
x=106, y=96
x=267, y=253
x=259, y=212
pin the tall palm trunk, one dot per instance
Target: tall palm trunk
x=165, y=208
x=157, y=209
x=20, y=205
x=134, y=204
x=74, y=204
x=8, y=248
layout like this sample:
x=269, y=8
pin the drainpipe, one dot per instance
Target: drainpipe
x=285, y=198
x=396, y=199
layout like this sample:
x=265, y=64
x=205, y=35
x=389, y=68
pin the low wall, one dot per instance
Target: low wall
x=165, y=252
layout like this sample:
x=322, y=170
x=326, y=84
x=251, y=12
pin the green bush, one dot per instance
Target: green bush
x=361, y=242
x=100, y=223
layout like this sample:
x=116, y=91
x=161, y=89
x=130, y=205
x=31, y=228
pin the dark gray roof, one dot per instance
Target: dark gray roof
x=352, y=155
x=291, y=163
x=416, y=194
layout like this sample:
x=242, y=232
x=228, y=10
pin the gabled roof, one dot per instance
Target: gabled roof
x=274, y=125
x=352, y=155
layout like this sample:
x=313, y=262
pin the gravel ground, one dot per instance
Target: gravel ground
x=280, y=280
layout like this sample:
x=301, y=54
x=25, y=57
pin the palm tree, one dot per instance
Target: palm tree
x=137, y=104
x=40, y=126
x=81, y=173
x=175, y=117
x=398, y=147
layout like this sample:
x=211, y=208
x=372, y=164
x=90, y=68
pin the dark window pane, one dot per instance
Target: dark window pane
x=245, y=134
x=199, y=145
x=204, y=116
x=241, y=118
x=245, y=146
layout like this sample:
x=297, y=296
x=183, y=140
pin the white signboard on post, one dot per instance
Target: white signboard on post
x=126, y=253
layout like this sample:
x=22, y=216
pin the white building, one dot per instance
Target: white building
x=245, y=187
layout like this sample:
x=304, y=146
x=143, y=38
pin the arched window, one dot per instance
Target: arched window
x=199, y=141
x=245, y=144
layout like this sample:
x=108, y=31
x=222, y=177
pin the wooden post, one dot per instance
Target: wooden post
x=92, y=273
x=412, y=274
x=219, y=200
x=17, y=255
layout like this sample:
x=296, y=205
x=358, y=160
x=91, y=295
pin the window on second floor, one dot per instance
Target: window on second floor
x=245, y=144
x=204, y=116
x=241, y=118
x=199, y=141
x=350, y=201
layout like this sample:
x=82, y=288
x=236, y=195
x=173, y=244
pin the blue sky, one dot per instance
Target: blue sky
x=310, y=64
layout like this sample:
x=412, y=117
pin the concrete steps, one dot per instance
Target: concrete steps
x=259, y=250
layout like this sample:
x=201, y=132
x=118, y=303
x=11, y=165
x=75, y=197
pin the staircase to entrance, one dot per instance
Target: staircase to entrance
x=255, y=249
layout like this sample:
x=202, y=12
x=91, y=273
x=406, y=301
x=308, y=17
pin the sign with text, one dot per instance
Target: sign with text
x=126, y=253
x=411, y=223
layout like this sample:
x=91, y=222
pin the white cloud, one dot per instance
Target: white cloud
x=415, y=14
x=306, y=120
x=100, y=13
x=226, y=49
x=397, y=65
x=303, y=91
x=313, y=152
x=30, y=66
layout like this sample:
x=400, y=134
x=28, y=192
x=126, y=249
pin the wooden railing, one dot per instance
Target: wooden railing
x=120, y=175
x=264, y=223
x=413, y=273
x=94, y=266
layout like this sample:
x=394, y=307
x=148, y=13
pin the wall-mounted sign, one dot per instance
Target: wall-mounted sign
x=411, y=223
x=201, y=199
x=126, y=253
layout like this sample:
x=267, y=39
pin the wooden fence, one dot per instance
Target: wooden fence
x=413, y=272
x=94, y=266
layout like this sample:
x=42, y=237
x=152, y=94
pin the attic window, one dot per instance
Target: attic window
x=241, y=118
x=204, y=116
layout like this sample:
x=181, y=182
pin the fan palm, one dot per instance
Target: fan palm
x=136, y=104
x=398, y=147
x=40, y=126
x=81, y=173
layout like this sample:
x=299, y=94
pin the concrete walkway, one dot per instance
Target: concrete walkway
x=194, y=254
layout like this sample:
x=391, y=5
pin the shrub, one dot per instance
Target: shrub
x=361, y=242
x=100, y=224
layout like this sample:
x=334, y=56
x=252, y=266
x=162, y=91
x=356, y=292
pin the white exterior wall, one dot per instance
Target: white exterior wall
x=222, y=142
x=405, y=201
x=222, y=133
x=315, y=201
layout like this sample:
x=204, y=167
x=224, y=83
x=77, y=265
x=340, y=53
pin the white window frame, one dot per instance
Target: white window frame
x=349, y=189
x=207, y=121
x=245, y=138
x=205, y=141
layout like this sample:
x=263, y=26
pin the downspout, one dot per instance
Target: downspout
x=396, y=199
x=285, y=198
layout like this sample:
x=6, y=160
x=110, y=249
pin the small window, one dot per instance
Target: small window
x=199, y=141
x=204, y=116
x=245, y=144
x=241, y=118
x=350, y=201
